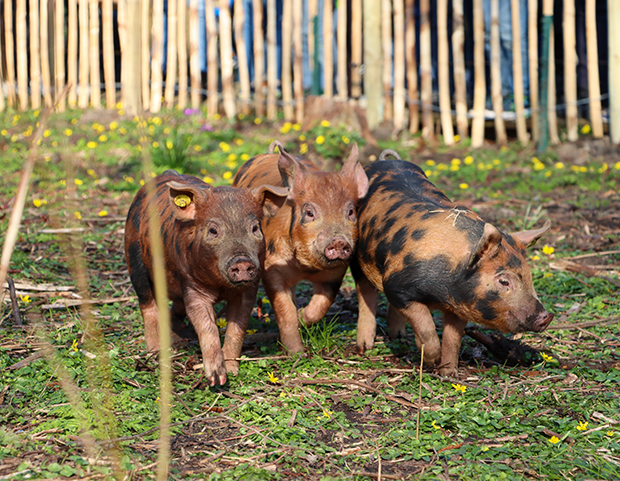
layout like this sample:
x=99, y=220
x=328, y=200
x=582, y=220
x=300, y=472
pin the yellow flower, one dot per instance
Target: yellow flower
x=167, y=130
x=326, y=414
x=345, y=139
x=37, y=112
x=468, y=160
x=207, y=179
x=231, y=157
x=548, y=173
x=251, y=331
x=286, y=128
x=25, y=299
x=119, y=105
x=78, y=181
x=102, y=213
x=113, y=125
x=302, y=137
x=245, y=157
x=609, y=433
x=258, y=120
x=77, y=215
x=239, y=142
x=582, y=426
x=4, y=132
x=169, y=144
x=325, y=123
x=554, y=440
x=155, y=144
x=68, y=132
x=297, y=127
x=157, y=120
x=586, y=129
x=459, y=387
x=546, y=357
x=464, y=185
x=47, y=133
x=583, y=168
x=535, y=258
x=122, y=130
x=37, y=203
x=548, y=274
x=221, y=323
x=241, y=116
x=457, y=138
x=74, y=346
x=62, y=182
x=442, y=167
x=548, y=250
x=74, y=121
x=455, y=161
x=430, y=162
x=617, y=166
x=539, y=166
x=428, y=173
x=92, y=144
x=55, y=143
x=217, y=116
x=272, y=378
x=197, y=148
x=227, y=175
x=496, y=162
x=303, y=148
x=434, y=424
x=454, y=168
x=103, y=138
x=320, y=139
x=141, y=181
x=224, y=146
x=603, y=168
x=559, y=165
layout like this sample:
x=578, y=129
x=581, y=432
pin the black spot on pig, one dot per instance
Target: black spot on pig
x=271, y=248
x=418, y=234
x=485, y=306
x=398, y=241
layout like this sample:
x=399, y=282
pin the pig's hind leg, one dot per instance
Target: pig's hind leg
x=453, y=330
x=368, y=300
x=420, y=319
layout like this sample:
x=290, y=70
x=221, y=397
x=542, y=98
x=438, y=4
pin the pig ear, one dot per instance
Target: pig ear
x=271, y=198
x=291, y=170
x=529, y=237
x=487, y=247
x=354, y=171
x=273, y=145
x=183, y=200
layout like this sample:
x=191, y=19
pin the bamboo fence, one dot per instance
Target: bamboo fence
x=111, y=51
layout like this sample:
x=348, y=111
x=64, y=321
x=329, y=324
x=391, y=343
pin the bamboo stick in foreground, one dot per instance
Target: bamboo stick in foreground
x=400, y=96
x=477, y=125
x=272, y=59
x=443, y=54
x=35, y=55
x=95, y=76
x=287, y=33
x=10, y=50
x=297, y=66
x=386, y=44
x=460, y=91
x=22, y=53
x=570, y=70
x=212, y=60
x=83, y=55
x=226, y=59
x=517, y=69
x=496, y=75
x=341, y=39
x=412, y=67
x=157, y=55
x=182, y=52
x=328, y=52
x=426, y=80
x=107, y=24
x=59, y=54
x=594, y=86
x=171, y=59
x=242, y=58
x=533, y=33
x=45, y=55
x=259, y=59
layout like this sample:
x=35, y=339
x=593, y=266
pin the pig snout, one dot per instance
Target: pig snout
x=242, y=269
x=542, y=321
x=338, y=249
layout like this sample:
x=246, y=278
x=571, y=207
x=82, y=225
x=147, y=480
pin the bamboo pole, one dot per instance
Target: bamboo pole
x=356, y=49
x=570, y=70
x=95, y=77
x=35, y=55
x=287, y=33
x=132, y=51
x=517, y=72
x=242, y=58
x=496, y=75
x=145, y=55
x=107, y=25
x=157, y=54
x=83, y=60
x=171, y=59
x=182, y=52
x=45, y=55
x=372, y=61
x=443, y=70
x=386, y=43
x=400, y=96
x=297, y=63
x=533, y=34
x=477, y=125
x=10, y=52
x=613, y=20
x=122, y=6
x=341, y=38
x=412, y=68
x=551, y=112
x=426, y=80
x=313, y=9
x=328, y=52
x=594, y=86
x=22, y=53
x=226, y=59
x=212, y=60
x=272, y=59
x=259, y=59
x=194, y=61
x=59, y=54
x=72, y=52
x=460, y=91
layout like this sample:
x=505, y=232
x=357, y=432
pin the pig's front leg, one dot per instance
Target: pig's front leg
x=320, y=302
x=150, y=315
x=419, y=317
x=238, y=311
x=368, y=300
x=281, y=297
x=199, y=306
x=453, y=330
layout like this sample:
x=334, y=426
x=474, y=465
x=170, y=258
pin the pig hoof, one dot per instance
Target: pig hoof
x=232, y=367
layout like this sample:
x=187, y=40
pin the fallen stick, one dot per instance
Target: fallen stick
x=67, y=304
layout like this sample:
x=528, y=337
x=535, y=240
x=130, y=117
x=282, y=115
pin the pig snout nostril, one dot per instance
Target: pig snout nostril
x=242, y=270
x=338, y=249
x=543, y=322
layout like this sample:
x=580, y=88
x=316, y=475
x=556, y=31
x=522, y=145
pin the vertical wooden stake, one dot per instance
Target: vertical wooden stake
x=133, y=51
x=496, y=75
x=400, y=95
x=272, y=60
x=59, y=54
x=372, y=61
x=533, y=33
x=297, y=63
x=35, y=55
x=517, y=72
x=552, y=113
x=22, y=53
x=328, y=52
x=417, y=424
x=477, y=125
x=594, y=86
x=570, y=70
x=226, y=59
x=182, y=52
x=242, y=58
x=10, y=52
x=171, y=57
x=95, y=77
x=107, y=24
x=343, y=90
x=426, y=80
x=613, y=20
x=45, y=55
x=145, y=56
x=412, y=68
x=356, y=49
x=72, y=52
x=212, y=60
x=287, y=54
x=157, y=54
x=84, y=57
x=443, y=54
x=194, y=61
x=121, y=11
x=386, y=43
x=259, y=58
x=460, y=90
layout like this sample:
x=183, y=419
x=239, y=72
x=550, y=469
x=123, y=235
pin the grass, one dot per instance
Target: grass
x=330, y=414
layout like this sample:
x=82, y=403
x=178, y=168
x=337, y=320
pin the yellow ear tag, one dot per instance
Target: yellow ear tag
x=182, y=200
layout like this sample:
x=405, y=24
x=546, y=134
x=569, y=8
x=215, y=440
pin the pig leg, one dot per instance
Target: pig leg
x=150, y=315
x=322, y=298
x=421, y=320
x=396, y=323
x=368, y=300
x=200, y=312
x=238, y=311
x=453, y=330
x=285, y=310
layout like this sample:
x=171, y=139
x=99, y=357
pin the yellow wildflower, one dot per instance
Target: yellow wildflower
x=459, y=387
x=582, y=426
x=586, y=129
x=468, y=160
x=345, y=139
x=68, y=132
x=221, y=323
x=197, y=148
x=74, y=346
x=325, y=123
x=227, y=175
x=77, y=214
x=92, y=144
x=559, y=165
x=302, y=137
x=546, y=357
x=548, y=250
x=455, y=161
x=224, y=146
x=464, y=185
x=258, y=120
x=169, y=144
x=207, y=179
x=102, y=213
x=430, y=162
x=47, y=133
x=554, y=440
x=320, y=139
x=272, y=378
x=25, y=299
x=78, y=181
x=303, y=148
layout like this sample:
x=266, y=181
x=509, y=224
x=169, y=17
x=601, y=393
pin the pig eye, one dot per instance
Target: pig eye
x=256, y=228
x=308, y=214
x=350, y=210
x=504, y=282
x=213, y=231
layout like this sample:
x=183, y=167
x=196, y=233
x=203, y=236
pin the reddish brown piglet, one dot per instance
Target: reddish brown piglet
x=214, y=250
x=426, y=252
x=311, y=237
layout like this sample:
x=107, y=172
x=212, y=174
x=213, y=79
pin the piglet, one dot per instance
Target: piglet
x=426, y=252
x=311, y=237
x=214, y=250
